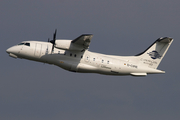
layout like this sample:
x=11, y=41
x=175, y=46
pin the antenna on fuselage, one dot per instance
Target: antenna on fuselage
x=53, y=41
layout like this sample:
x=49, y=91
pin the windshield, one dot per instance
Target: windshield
x=27, y=44
x=21, y=44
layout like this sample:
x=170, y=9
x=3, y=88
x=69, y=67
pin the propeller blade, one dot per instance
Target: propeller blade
x=52, y=49
x=54, y=37
x=53, y=41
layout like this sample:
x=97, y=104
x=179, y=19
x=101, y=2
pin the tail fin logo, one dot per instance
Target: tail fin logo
x=154, y=55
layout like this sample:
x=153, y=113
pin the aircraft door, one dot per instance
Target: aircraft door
x=44, y=49
x=38, y=50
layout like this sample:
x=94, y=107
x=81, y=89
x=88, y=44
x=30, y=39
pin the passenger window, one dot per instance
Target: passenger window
x=27, y=44
x=102, y=61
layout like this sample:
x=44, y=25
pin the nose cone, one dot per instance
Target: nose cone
x=9, y=50
x=12, y=51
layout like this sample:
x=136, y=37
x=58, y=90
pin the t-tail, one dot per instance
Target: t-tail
x=153, y=55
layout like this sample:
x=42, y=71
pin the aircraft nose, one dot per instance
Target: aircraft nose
x=9, y=50
x=12, y=52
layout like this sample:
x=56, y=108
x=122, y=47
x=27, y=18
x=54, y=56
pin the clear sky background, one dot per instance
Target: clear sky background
x=36, y=91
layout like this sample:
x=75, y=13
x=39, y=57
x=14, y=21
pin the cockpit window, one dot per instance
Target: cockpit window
x=21, y=44
x=27, y=44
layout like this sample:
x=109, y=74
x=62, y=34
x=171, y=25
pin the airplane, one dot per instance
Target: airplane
x=74, y=56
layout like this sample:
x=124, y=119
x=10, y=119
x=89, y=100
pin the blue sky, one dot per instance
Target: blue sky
x=31, y=90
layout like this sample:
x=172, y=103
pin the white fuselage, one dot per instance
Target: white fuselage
x=80, y=61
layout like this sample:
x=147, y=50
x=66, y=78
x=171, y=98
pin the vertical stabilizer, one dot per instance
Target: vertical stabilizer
x=153, y=55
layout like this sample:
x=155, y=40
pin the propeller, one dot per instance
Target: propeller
x=53, y=41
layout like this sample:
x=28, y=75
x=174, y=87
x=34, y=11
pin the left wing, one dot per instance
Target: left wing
x=83, y=40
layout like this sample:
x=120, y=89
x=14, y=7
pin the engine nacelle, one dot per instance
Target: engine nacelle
x=67, y=45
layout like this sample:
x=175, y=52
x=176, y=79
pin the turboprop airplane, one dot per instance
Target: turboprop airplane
x=73, y=55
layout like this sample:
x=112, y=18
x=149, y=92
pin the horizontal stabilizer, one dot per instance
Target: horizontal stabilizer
x=165, y=40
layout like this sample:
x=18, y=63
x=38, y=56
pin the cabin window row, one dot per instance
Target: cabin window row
x=75, y=55
x=70, y=54
x=103, y=61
